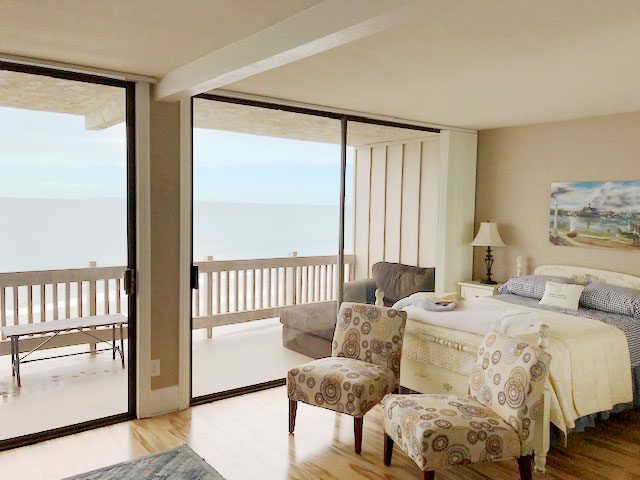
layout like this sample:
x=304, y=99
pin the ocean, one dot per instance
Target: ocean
x=42, y=234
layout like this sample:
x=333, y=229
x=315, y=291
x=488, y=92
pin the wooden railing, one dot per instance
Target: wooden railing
x=237, y=291
x=231, y=291
x=42, y=296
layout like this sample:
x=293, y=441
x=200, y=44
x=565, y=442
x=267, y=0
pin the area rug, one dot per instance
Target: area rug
x=181, y=463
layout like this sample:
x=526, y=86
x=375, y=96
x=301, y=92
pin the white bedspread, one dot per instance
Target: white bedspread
x=479, y=316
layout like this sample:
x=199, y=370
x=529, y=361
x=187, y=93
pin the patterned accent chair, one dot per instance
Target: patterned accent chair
x=495, y=422
x=364, y=365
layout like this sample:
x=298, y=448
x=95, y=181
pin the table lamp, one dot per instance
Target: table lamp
x=488, y=236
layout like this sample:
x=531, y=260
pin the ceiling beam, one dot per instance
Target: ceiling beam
x=320, y=28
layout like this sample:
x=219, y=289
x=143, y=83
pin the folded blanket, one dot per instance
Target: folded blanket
x=412, y=299
x=436, y=305
x=517, y=324
x=427, y=301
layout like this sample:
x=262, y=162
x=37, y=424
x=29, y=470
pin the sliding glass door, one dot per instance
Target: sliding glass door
x=67, y=252
x=275, y=237
x=265, y=241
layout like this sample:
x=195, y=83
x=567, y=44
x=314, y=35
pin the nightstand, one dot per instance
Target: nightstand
x=475, y=289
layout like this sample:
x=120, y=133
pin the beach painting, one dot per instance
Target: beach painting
x=595, y=215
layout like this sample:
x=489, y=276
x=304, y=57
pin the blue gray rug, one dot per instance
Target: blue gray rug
x=181, y=463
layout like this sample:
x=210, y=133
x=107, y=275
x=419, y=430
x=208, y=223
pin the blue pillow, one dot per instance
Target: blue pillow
x=611, y=299
x=531, y=286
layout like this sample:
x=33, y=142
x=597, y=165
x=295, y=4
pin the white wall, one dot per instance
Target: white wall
x=415, y=204
x=396, y=203
x=457, y=179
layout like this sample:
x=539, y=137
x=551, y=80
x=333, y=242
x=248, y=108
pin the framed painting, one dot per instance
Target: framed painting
x=595, y=215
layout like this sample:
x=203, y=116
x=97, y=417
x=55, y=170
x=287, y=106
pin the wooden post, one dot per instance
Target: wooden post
x=92, y=305
x=236, y=286
x=55, y=301
x=293, y=279
x=543, y=422
x=3, y=310
x=30, y=304
x=43, y=304
x=267, y=284
x=210, y=296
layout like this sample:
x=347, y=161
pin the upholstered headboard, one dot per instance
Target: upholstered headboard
x=587, y=275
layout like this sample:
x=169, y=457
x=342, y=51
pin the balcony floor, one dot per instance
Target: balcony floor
x=240, y=355
x=70, y=390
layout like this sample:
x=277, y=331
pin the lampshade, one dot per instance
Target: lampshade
x=488, y=236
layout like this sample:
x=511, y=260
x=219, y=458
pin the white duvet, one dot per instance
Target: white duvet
x=590, y=366
x=475, y=317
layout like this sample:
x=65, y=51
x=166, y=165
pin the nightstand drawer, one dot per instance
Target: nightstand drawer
x=468, y=290
x=472, y=292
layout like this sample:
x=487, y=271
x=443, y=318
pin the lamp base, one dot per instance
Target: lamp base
x=488, y=260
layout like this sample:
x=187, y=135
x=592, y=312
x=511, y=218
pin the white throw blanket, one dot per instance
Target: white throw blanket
x=474, y=317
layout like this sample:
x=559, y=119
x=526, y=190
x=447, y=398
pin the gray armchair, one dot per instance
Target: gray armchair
x=308, y=328
x=395, y=279
x=360, y=291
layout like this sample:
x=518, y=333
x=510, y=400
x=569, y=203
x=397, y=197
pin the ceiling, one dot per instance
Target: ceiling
x=479, y=64
x=148, y=37
x=467, y=63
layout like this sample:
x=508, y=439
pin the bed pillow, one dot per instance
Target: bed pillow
x=531, y=286
x=562, y=295
x=611, y=299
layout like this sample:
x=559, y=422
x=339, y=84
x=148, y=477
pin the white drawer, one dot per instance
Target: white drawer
x=467, y=291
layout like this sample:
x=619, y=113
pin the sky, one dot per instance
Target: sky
x=614, y=196
x=51, y=155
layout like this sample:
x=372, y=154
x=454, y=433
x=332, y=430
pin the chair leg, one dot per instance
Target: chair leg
x=525, y=464
x=388, y=449
x=430, y=475
x=357, y=430
x=293, y=407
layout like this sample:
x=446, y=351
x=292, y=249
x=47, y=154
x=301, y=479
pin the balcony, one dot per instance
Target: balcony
x=235, y=312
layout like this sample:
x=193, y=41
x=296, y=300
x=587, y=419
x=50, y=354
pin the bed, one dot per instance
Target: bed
x=596, y=355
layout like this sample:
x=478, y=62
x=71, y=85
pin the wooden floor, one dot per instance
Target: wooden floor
x=246, y=438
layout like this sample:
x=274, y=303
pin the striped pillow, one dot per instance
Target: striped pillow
x=531, y=286
x=611, y=299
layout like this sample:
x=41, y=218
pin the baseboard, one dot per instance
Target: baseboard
x=161, y=400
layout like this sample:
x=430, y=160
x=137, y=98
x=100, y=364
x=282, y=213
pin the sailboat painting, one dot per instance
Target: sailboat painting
x=595, y=215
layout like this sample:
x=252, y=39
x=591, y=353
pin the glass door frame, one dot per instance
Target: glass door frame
x=344, y=119
x=130, y=120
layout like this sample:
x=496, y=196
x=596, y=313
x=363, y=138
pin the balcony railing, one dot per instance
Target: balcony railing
x=231, y=291
x=237, y=291
x=49, y=295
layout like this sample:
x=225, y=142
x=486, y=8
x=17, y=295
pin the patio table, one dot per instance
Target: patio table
x=56, y=327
